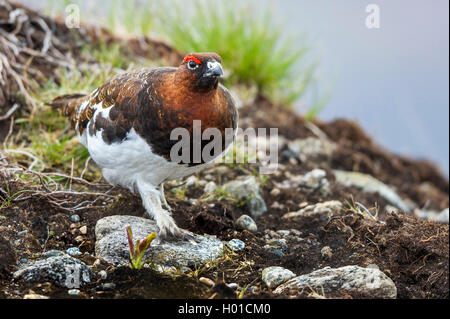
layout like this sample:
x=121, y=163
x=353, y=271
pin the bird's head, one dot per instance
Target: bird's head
x=202, y=70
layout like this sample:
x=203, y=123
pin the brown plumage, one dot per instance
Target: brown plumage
x=145, y=107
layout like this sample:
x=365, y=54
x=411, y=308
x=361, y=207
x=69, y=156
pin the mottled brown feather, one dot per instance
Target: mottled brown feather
x=153, y=102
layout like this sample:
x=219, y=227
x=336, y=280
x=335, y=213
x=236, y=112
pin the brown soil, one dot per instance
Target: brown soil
x=413, y=253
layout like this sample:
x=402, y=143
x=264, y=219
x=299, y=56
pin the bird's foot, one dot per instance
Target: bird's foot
x=169, y=230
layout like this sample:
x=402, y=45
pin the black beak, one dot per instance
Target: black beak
x=214, y=69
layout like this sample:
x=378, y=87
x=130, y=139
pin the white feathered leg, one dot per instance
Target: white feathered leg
x=163, y=198
x=151, y=199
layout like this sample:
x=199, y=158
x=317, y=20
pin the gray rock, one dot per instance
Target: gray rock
x=431, y=215
x=75, y=218
x=315, y=179
x=210, y=187
x=368, y=281
x=236, y=245
x=53, y=253
x=326, y=252
x=311, y=149
x=73, y=251
x=190, y=181
x=112, y=244
x=275, y=276
x=247, y=190
x=327, y=209
x=371, y=185
x=64, y=271
x=73, y=292
x=245, y=222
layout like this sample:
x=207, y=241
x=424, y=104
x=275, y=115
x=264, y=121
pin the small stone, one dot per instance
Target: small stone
x=275, y=276
x=245, y=222
x=83, y=230
x=59, y=269
x=73, y=292
x=373, y=266
x=108, y=286
x=327, y=209
x=74, y=251
x=326, y=252
x=352, y=279
x=22, y=233
x=206, y=281
x=277, y=252
x=233, y=285
x=79, y=239
x=283, y=232
x=35, y=296
x=23, y=260
x=246, y=190
x=236, y=245
x=253, y=289
x=277, y=205
x=53, y=253
x=75, y=218
x=371, y=185
x=210, y=187
x=103, y=274
x=275, y=192
x=190, y=181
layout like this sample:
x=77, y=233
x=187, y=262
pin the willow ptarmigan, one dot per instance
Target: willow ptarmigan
x=126, y=125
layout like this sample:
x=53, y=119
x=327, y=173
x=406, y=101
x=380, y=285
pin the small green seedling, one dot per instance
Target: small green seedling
x=137, y=252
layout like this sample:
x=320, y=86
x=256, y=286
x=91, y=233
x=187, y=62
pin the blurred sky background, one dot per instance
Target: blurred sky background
x=393, y=80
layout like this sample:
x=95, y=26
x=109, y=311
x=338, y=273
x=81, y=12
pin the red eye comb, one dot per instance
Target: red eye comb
x=191, y=57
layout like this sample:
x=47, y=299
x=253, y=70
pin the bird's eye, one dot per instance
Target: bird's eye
x=192, y=65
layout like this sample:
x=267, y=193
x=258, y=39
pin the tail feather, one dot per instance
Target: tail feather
x=69, y=105
x=63, y=100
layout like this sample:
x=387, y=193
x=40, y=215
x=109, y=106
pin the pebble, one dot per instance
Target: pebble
x=275, y=192
x=210, y=187
x=327, y=209
x=190, y=181
x=283, y=232
x=73, y=292
x=24, y=260
x=73, y=251
x=53, y=253
x=108, y=286
x=275, y=276
x=253, y=289
x=64, y=271
x=246, y=189
x=369, y=282
x=206, y=281
x=83, y=230
x=278, y=253
x=236, y=245
x=371, y=185
x=35, y=296
x=103, y=274
x=233, y=285
x=75, y=218
x=245, y=222
x=326, y=252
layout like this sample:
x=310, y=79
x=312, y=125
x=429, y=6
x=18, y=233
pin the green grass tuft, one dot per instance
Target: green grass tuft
x=254, y=50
